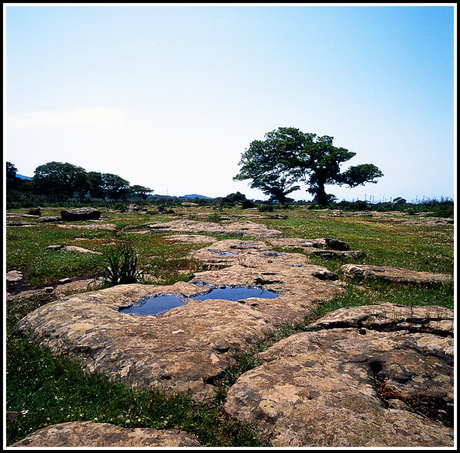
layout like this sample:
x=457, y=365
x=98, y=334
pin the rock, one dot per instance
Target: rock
x=384, y=316
x=239, y=228
x=71, y=249
x=20, y=224
x=190, y=238
x=67, y=286
x=187, y=347
x=393, y=274
x=100, y=226
x=324, y=247
x=338, y=254
x=342, y=387
x=50, y=219
x=90, y=435
x=80, y=214
x=14, y=276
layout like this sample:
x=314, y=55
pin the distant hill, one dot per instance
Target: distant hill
x=187, y=197
x=22, y=177
x=193, y=196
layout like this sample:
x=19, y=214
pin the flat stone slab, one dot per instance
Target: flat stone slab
x=238, y=228
x=324, y=247
x=355, y=387
x=190, y=238
x=71, y=249
x=95, y=226
x=186, y=347
x=90, y=435
x=393, y=274
x=14, y=276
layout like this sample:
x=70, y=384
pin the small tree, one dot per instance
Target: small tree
x=288, y=156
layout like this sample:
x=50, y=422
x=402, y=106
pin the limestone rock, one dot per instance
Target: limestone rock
x=324, y=247
x=80, y=214
x=49, y=219
x=186, y=347
x=90, y=435
x=71, y=249
x=350, y=387
x=99, y=226
x=190, y=238
x=14, y=276
x=239, y=228
x=393, y=274
x=320, y=243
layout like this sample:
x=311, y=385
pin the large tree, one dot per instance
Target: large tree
x=59, y=180
x=263, y=163
x=288, y=156
x=115, y=187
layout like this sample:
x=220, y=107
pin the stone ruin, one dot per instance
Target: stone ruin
x=373, y=376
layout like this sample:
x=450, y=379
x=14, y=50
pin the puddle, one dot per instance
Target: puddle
x=274, y=254
x=156, y=305
x=220, y=252
x=235, y=293
x=161, y=303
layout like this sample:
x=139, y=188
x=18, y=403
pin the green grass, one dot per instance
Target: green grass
x=51, y=390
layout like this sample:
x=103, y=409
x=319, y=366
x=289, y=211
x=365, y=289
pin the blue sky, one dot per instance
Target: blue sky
x=169, y=96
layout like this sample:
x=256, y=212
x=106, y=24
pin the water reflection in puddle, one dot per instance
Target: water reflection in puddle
x=221, y=252
x=236, y=293
x=161, y=303
x=156, y=305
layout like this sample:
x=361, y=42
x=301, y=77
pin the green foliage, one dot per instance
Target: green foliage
x=122, y=265
x=265, y=207
x=288, y=156
x=60, y=180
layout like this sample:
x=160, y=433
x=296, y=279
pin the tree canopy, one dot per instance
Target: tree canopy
x=288, y=156
x=59, y=181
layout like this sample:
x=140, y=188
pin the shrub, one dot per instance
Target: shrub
x=122, y=265
x=265, y=208
x=248, y=204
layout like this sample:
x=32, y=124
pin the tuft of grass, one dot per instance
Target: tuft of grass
x=122, y=265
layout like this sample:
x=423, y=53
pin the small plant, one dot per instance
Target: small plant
x=122, y=265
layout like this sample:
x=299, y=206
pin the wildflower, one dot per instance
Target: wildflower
x=24, y=411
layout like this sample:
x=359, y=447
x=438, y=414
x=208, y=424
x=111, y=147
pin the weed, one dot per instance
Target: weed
x=122, y=265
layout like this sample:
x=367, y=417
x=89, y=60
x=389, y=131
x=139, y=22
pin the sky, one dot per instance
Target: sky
x=169, y=96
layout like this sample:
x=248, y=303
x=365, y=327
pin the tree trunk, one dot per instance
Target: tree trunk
x=321, y=195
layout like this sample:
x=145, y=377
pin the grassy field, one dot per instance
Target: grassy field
x=48, y=390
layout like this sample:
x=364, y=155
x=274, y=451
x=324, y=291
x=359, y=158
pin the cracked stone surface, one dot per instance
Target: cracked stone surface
x=90, y=434
x=348, y=383
x=188, y=346
x=393, y=274
x=240, y=228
